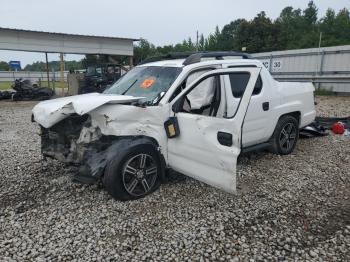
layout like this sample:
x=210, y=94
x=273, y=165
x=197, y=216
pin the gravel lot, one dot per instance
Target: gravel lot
x=295, y=207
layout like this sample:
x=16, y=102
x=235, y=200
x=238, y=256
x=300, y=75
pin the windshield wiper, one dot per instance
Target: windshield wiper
x=157, y=98
x=133, y=83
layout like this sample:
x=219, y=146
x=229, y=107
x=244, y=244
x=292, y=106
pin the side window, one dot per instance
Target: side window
x=239, y=82
x=258, y=86
x=193, y=76
x=204, y=98
x=190, y=78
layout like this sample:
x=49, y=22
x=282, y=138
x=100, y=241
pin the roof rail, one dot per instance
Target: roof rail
x=193, y=57
x=169, y=56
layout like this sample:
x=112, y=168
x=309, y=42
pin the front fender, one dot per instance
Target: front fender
x=96, y=160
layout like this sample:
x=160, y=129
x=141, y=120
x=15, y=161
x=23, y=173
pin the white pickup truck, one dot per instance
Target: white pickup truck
x=191, y=113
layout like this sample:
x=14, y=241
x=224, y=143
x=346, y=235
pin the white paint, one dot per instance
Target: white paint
x=197, y=151
x=50, y=112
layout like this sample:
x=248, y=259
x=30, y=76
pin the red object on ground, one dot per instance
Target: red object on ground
x=338, y=128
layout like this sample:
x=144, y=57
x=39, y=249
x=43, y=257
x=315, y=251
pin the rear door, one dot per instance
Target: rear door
x=258, y=113
x=209, y=142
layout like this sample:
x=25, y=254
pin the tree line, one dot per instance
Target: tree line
x=41, y=66
x=293, y=29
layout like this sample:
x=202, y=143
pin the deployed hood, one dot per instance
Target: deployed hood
x=50, y=112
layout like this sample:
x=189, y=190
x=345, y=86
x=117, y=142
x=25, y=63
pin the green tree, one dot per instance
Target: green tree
x=213, y=40
x=201, y=43
x=4, y=66
x=226, y=39
x=258, y=35
x=143, y=50
x=310, y=14
x=310, y=31
x=290, y=26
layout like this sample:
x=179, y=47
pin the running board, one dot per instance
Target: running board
x=257, y=147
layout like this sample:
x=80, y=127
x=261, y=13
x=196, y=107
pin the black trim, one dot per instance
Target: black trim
x=170, y=56
x=193, y=57
x=266, y=106
x=216, y=98
x=196, y=58
x=225, y=139
x=257, y=147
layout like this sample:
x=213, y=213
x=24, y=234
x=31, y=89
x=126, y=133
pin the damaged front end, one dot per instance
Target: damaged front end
x=77, y=142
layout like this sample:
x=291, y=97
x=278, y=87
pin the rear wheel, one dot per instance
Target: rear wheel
x=133, y=174
x=285, y=136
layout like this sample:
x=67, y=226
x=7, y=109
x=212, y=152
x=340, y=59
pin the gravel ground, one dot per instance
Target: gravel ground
x=295, y=207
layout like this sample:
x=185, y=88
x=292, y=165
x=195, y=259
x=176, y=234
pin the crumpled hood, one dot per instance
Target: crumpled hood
x=50, y=112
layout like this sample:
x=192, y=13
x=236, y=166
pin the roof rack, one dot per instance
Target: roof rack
x=170, y=56
x=193, y=57
x=196, y=58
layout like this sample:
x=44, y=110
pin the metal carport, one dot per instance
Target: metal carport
x=37, y=41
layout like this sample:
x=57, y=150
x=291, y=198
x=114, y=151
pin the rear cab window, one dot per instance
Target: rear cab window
x=239, y=82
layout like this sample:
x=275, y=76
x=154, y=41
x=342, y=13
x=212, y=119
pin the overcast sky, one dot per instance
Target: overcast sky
x=159, y=21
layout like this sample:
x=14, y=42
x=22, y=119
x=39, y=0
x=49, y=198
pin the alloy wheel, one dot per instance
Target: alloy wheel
x=140, y=174
x=287, y=136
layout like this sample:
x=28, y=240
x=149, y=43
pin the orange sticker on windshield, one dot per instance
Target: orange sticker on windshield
x=147, y=83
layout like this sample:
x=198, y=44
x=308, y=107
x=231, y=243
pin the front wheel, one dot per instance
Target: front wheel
x=133, y=174
x=285, y=136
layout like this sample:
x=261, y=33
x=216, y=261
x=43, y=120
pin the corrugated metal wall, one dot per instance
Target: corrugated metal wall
x=327, y=67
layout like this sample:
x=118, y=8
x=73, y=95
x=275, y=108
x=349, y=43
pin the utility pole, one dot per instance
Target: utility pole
x=197, y=43
x=319, y=52
x=62, y=72
x=319, y=66
x=319, y=42
x=47, y=70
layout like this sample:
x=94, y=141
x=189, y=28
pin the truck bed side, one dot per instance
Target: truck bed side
x=298, y=97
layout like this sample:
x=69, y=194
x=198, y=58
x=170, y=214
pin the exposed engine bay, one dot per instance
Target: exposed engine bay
x=75, y=141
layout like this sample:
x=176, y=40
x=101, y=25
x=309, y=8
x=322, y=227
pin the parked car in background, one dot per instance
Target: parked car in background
x=98, y=77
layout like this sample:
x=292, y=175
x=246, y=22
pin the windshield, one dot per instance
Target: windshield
x=148, y=82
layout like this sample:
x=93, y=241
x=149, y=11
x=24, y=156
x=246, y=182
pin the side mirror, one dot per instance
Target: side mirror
x=177, y=106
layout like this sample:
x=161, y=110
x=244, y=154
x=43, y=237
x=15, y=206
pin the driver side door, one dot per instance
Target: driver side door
x=207, y=146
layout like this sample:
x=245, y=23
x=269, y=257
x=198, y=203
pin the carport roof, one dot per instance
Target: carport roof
x=68, y=34
x=40, y=41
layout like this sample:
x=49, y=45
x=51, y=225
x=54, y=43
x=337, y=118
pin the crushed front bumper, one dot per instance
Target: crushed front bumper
x=76, y=142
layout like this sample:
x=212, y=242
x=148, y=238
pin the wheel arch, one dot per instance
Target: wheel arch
x=295, y=114
x=96, y=162
x=157, y=148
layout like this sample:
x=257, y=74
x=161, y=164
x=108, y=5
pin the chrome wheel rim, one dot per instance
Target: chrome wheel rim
x=287, y=136
x=140, y=174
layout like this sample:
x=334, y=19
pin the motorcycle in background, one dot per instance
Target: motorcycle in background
x=25, y=90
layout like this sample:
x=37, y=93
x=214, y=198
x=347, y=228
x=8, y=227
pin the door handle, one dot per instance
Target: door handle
x=224, y=138
x=266, y=106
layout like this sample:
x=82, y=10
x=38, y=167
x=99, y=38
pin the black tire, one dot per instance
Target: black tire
x=16, y=97
x=119, y=179
x=285, y=136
